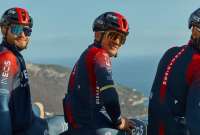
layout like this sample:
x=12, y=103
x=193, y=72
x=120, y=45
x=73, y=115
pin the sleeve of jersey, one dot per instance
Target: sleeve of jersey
x=108, y=93
x=7, y=71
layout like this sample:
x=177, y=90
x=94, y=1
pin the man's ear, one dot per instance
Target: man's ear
x=3, y=30
x=97, y=36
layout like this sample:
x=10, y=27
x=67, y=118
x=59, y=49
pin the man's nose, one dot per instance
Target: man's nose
x=22, y=34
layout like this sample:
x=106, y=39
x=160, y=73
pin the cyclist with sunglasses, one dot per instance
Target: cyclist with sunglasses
x=174, y=106
x=92, y=102
x=16, y=114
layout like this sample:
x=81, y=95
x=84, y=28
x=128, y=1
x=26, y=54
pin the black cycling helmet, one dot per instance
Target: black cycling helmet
x=16, y=16
x=194, y=19
x=111, y=21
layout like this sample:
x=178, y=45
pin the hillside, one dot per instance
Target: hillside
x=49, y=83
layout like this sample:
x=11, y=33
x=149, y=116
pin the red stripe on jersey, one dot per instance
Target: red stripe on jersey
x=163, y=87
x=90, y=68
x=193, y=69
x=161, y=130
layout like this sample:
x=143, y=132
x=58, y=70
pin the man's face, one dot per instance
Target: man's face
x=17, y=35
x=112, y=41
x=195, y=32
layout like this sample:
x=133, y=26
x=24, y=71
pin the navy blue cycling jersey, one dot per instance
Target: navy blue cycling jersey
x=15, y=101
x=91, y=90
x=174, y=106
x=16, y=115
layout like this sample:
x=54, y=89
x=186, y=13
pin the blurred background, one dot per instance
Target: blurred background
x=63, y=29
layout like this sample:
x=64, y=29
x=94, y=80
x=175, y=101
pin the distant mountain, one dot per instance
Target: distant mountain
x=49, y=84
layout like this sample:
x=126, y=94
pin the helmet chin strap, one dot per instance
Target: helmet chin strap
x=20, y=49
x=5, y=35
x=116, y=55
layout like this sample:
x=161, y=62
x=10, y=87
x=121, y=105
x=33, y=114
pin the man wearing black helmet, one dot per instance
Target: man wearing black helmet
x=174, y=106
x=16, y=114
x=92, y=101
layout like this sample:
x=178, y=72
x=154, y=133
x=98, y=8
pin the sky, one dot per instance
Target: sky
x=63, y=28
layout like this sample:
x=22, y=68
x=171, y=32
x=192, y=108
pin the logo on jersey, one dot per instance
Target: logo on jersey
x=107, y=60
x=5, y=73
x=25, y=74
x=97, y=95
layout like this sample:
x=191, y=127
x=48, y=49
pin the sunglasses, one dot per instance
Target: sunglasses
x=113, y=35
x=18, y=29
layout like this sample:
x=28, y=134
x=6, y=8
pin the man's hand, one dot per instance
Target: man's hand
x=126, y=125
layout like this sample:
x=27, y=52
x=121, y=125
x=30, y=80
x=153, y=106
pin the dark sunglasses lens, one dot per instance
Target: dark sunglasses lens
x=115, y=35
x=123, y=40
x=27, y=31
x=16, y=29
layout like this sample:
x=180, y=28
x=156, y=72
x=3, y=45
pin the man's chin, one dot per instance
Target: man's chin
x=21, y=46
x=112, y=53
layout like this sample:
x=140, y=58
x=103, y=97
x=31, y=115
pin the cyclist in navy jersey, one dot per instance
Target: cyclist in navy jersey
x=16, y=114
x=92, y=101
x=174, y=106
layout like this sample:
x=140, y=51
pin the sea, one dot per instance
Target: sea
x=136, y=72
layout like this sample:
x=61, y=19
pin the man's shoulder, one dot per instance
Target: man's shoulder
x=102, y=53
x=7, y=55
x=97, y=52
x=174, y=49
x=102, y=58
x=8, y=58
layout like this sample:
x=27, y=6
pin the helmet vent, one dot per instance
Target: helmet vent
x=124, y=23
x=115, y=25
x=23, y=15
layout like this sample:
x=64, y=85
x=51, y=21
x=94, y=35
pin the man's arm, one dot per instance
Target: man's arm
x=6, y=77
x=108, y=93
x=111, y=102
x=5, y=120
